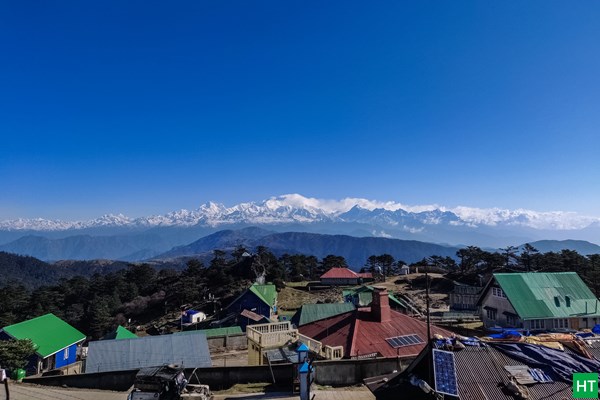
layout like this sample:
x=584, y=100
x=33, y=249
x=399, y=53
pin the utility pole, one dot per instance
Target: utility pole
x=428, y=321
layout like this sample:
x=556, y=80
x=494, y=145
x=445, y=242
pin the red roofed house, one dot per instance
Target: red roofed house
x=375, y=331
x=344, y=276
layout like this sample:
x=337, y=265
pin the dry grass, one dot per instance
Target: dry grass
x=245, y=388
x=292, y=299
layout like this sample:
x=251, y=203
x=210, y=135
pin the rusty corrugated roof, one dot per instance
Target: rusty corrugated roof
x=480, y=375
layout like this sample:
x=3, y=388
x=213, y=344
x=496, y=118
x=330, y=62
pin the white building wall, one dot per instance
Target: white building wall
x=502, y=306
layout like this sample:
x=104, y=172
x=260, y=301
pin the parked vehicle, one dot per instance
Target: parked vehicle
x=159, y=383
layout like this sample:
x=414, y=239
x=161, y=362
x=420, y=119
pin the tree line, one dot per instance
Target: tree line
x=95, y=305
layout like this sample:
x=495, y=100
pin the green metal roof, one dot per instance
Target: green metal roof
x=543, y=295
x=230, y=330
x=120, y=333
x=315, y=312
x=365, y=296
x=49, y=333
x=267, y=293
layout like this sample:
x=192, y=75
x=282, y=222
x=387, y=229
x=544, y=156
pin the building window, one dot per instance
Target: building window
x=511, y=320
x=496, y=291
x=536, y=324
x=561, y=323
x=491, y=313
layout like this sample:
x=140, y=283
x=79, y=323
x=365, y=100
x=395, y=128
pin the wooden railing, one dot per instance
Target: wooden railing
x=279, y=334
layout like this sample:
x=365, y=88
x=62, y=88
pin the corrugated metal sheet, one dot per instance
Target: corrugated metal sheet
x=283, y=354
x=339, y=273
x=230, y=330
x=543, y=295
x=364, y=296
x=267, y=293
x=189, y=350
x=334, y=331
x=360, y=334
x=49, y=333
x=480, y=376
x=370, y=335
x=481, y=369
x=120, y=333
x=252, y=315
x=314, y=312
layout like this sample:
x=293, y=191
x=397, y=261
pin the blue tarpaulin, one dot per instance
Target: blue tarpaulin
x=557, y=364
x=505, y=335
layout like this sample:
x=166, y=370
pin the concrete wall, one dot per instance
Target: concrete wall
x=334, y=373
x=118, y=380
x=229, y=342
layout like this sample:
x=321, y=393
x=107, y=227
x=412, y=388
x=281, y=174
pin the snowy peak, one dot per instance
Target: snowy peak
x=297, y=209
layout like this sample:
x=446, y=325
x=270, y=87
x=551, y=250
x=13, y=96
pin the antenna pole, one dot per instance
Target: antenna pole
x=428, y=320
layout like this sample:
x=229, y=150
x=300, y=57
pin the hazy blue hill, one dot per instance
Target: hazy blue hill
x=222, y=240
x=32, y=272
x=355, y=249
x=86, y=247
x=580, y=246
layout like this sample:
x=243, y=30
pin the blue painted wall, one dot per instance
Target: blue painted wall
x=70, y=358
x=249, y=301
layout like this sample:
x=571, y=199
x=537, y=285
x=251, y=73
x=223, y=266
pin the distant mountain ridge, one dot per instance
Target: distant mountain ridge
x=120, y=237
x=355, y=250
x=294, y=208
x=581, y=246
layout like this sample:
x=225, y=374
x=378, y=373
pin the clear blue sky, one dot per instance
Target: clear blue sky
x=144, y=107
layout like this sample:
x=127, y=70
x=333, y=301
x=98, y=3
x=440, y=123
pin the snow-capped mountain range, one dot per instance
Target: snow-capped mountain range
x=297, y=209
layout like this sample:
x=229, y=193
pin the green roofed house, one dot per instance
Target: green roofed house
x=56, y=341
x=315, y=312
x=535, y=300
x=259, y=299
x=120, y=333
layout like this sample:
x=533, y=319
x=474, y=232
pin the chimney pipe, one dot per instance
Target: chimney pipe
x=380, y=306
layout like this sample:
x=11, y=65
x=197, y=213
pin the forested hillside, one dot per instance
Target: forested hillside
x=142, y=293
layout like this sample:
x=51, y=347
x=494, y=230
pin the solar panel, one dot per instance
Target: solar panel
x=405, y=340
x=444, y=371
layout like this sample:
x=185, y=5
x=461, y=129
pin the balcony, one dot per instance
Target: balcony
x=279, y=334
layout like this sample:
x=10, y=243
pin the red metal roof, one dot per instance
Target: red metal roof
x=365, y=275
x=360, y=334
x=341, y=273
x=334, y=331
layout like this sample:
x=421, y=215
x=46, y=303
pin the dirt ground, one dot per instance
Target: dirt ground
x=234, y=358
x=438, y=291
x=320, y=393
x=26, y=391
x=291, y=298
